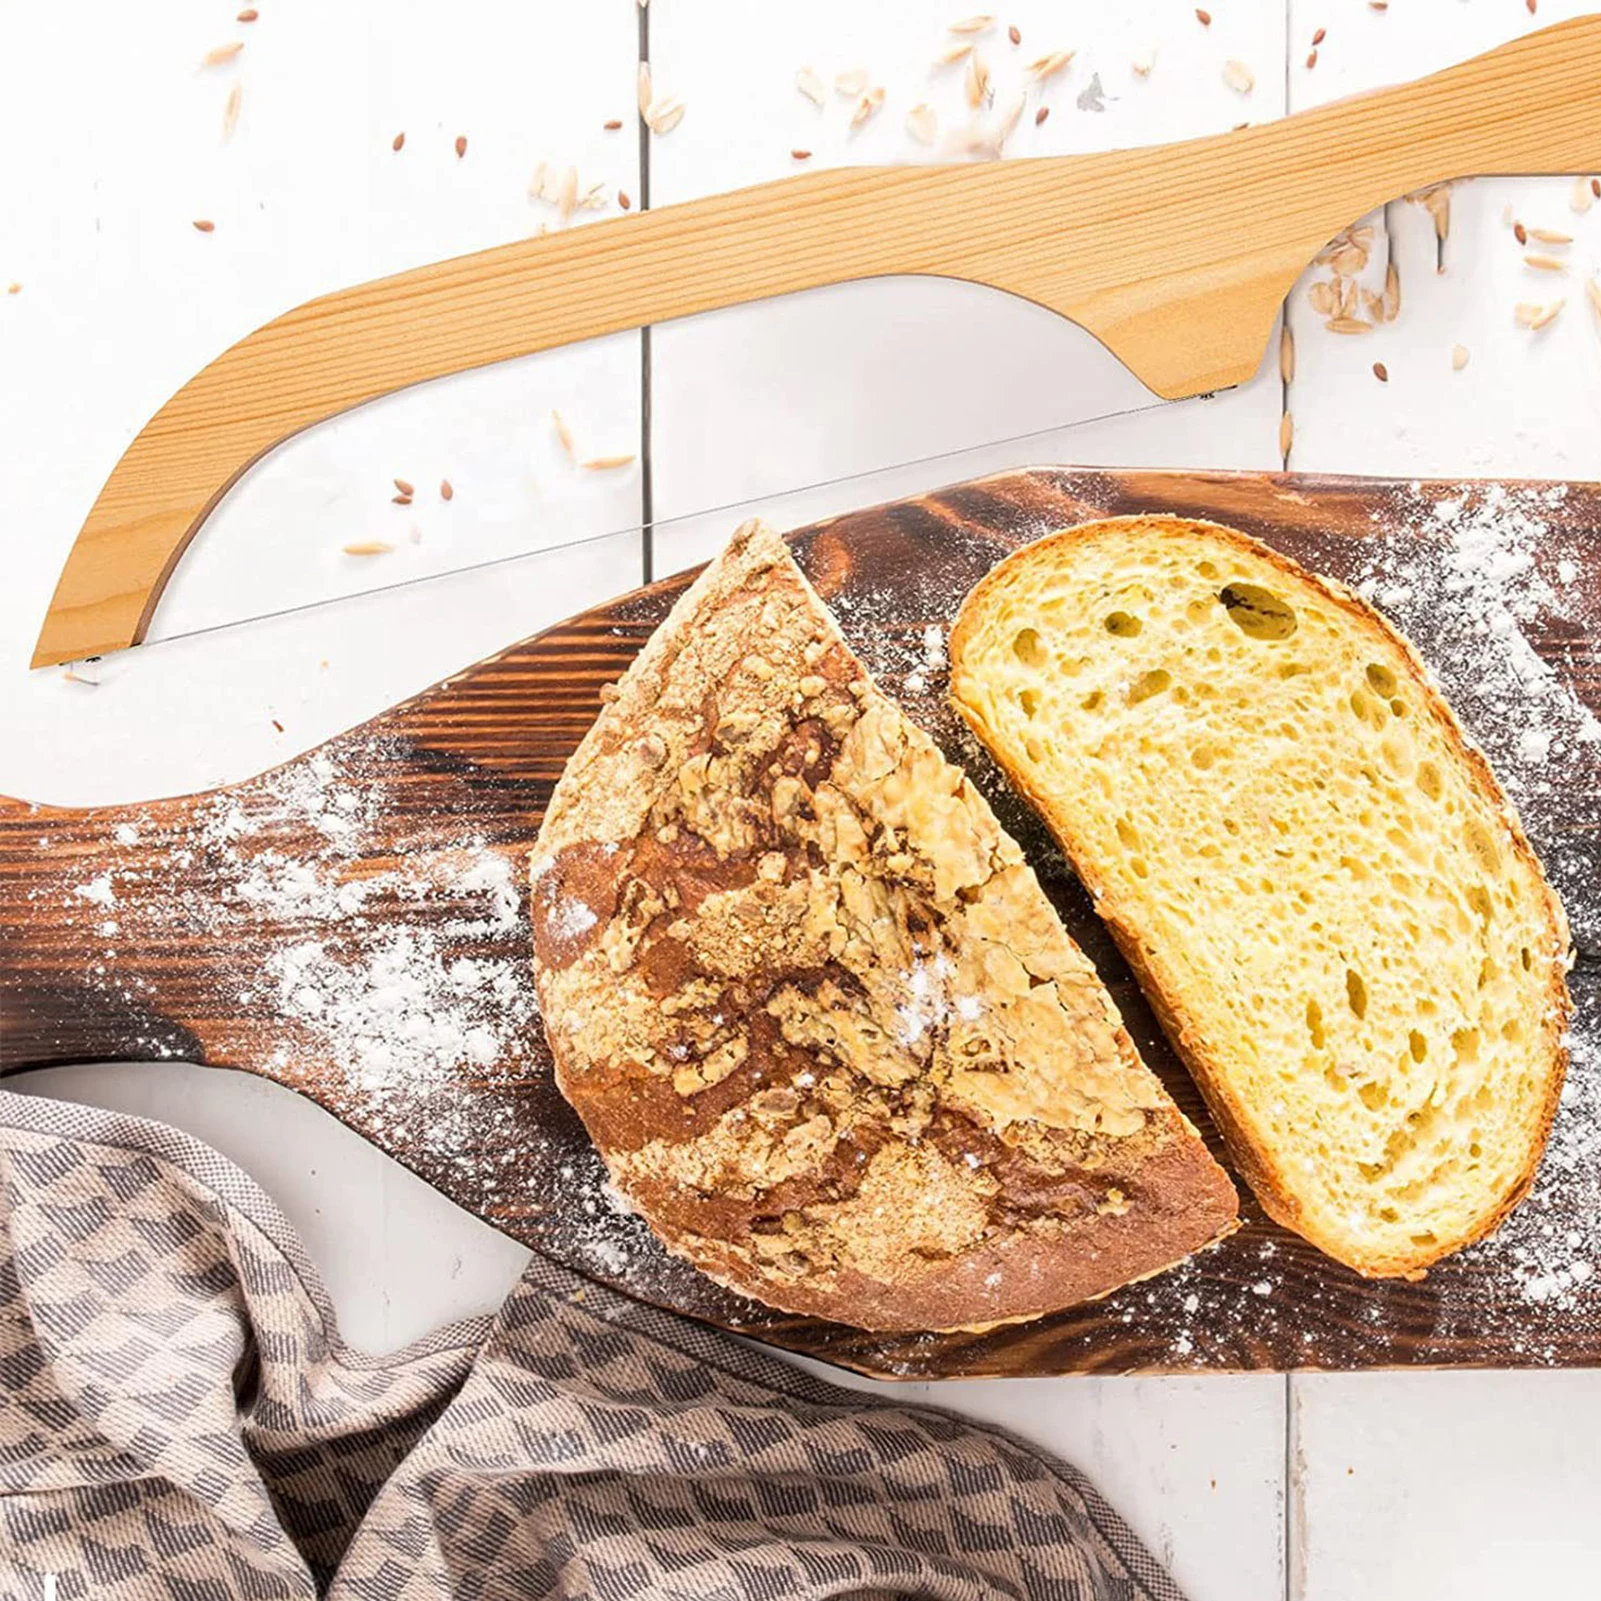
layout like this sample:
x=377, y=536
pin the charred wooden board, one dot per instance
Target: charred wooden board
x=353, y=925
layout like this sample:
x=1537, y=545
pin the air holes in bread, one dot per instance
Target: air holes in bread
x=1356, y=993
x=1417, y=1045
x=1382, y=680
x=1092, y=700
x=1483, y=847
x=1429, y=781
x=1027, y=648
x=1257, y=612
x=1123, y=624
x=1374, y=1096
x=1148, y=684
x=1465, y=1043
x=1314, y=1026
x=1030, y=702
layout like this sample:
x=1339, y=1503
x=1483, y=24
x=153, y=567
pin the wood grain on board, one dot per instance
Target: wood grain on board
x=1177, y=257
x=133, y=934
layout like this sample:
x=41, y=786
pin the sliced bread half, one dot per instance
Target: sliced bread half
x=1328, y=900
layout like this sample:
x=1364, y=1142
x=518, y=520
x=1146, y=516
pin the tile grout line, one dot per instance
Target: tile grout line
x=647, y=497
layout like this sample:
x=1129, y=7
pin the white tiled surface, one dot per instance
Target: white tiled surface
x=1424, y=1487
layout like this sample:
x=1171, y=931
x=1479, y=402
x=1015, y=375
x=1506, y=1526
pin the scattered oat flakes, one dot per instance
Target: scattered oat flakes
x=404, y=487
x=1324, y=298
x=1238, y=76
x=1544, y=263
x=1535, y=317
x=643, y=92
x=1286, y=353
x=1581, y=199
x=1436, y=200
x=1459, y=358
x=850, y=84
x=810, y=85
x=368, y=547
x=461, y=145
x=665, y=115
x=1348, y=325
x=979, y=24
x=866, y=107
x=230, y=112
x=567, y=194
x=399, y=142
x=922, y=123
x=1007, y=125
x=1381, y=372
x=223, y=54
x=601, y=464
x=1143, y=62
x=204, y=225
x=446, y=489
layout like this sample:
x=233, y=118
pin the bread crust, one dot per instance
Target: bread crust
x=1163, y=988
x=774, y=937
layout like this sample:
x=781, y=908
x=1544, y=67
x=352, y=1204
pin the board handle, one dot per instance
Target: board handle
x=1177, y=257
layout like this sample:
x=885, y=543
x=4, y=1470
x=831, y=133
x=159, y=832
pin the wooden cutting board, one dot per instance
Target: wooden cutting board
x=353, y=924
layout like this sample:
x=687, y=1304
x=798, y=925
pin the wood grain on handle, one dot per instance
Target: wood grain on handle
x=1175, y=256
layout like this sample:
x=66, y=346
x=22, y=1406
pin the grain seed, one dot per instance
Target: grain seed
x=1392, y=291
x=848, y=85
x=642, y=88
x=1581, y=199
x=866, y=107
x=976, y=84
x=368, y=547
x=563, y=435
x=1592, y=291
x=1311, y=58
x=1595, y=188
x=1535, y=317
x=952, y=53
x=978, y=24
x=446, y=491
x=1238, y=76
x=1348, y=325
x=1320, y=36
x=665, y=115
x=404, y=487
x=1015, y=34
x=1549, y=236
x=1007, y=126
x=601, y=464
x=1381, y=372
x=623, y=202
x=1203, y=17
x=401, y=500
x=222, y=55
x=1286, y=435
x=398, y=142
x=1520, y=233
x=230, y=112
x=810, y=85
x=1041, y=115
x=461, y=145
x=800, y=155
x=922, y=124
x=249, y=14
x=1286, y=353
x=1048, y=66
x=567, y=194
x=204, y=225
x=1544, y=263
x=13, y=289
x=1143, y=62
x=1459, y=358
x=611, y=125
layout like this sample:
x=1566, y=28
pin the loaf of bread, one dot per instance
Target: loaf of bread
x=1327, y=899
x=813, y=1007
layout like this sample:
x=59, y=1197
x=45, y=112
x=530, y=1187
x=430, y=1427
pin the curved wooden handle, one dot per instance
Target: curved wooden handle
x=1175, y=256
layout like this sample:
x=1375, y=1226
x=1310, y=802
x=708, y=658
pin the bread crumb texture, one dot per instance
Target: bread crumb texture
x=1334, y=910
x=813, y=1006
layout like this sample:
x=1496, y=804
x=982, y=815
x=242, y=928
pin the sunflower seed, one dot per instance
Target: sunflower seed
x=922, y=123
x=1238, y=76
x=810, y=85
x=848, y=85
x=368, y=547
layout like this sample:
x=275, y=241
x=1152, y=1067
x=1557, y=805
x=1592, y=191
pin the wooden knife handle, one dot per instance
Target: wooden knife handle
x=1177, y=257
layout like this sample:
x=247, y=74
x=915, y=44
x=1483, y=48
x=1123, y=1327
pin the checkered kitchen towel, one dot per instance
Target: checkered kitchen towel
x=180, y=1422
